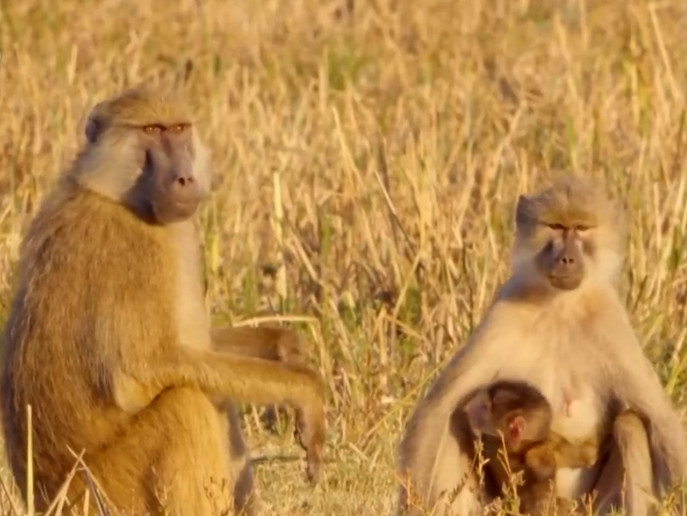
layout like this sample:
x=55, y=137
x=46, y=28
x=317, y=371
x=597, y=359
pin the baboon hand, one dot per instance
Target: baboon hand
x=290, y=351
x=309, y=432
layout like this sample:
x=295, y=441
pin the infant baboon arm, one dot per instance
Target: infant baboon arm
x=266, y=342
x=574, y=455
x=540, y=458
x=240, y=379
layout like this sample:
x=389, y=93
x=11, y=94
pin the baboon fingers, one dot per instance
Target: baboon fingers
x=311, y=438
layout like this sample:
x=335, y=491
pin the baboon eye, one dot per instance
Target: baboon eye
x=151, y=129
x=556, y=227
x=177, y=128
x=581, y=229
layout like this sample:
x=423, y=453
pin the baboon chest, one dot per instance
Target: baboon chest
x=192, y=320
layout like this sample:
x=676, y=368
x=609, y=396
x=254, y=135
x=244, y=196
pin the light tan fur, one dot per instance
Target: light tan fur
x=109, y=341
x=574, y=344
x=630, y=437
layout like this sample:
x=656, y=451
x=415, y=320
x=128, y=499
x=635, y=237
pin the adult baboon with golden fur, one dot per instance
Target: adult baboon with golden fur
x=108, y=338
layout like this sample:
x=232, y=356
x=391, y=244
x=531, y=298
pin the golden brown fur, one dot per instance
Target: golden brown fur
x=558, y=323
x=108, y=337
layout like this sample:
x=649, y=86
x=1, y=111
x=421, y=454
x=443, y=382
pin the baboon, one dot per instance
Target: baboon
x=513, y=421
x=558, y=323
x=109, y=341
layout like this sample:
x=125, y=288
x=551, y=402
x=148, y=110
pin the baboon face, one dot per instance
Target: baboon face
x=514, y=410
x=561, y=258
x=168, y=179
x=520, y=412
x=148, y=156
x=566, y=234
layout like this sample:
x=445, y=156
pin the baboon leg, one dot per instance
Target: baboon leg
x=245, y=500
x=625, y=480
x=173, y=459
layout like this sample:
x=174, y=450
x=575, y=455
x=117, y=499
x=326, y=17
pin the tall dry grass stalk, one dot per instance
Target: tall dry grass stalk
x=398, y=135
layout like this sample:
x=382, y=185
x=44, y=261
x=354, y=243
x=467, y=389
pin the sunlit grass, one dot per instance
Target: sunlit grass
x=400, y=134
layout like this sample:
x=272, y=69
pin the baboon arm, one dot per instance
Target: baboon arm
x=541, y=459
x=639, y=387
x=669, y=449
x=268, y=343
x=479, y=362
x=227, y=377
x=575, y=455
x=239, y=378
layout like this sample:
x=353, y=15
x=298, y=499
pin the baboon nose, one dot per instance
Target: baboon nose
x=184, y=180
x=184, y=188
x=566, y=260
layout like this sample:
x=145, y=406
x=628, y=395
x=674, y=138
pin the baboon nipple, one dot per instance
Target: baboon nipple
x=567, y=403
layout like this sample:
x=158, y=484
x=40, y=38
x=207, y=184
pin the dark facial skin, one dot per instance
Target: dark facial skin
x=170, y=184
x=561, y=259
x=167, y=190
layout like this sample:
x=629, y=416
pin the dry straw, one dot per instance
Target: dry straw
x=367, y=158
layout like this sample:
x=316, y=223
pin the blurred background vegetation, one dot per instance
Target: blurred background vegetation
x=367, y=158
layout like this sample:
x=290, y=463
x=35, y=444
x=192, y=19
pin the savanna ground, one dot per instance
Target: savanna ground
x=367, y=160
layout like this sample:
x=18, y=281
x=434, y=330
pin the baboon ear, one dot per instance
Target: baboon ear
x=526, y=213
x=92, y=129
x=523, y=209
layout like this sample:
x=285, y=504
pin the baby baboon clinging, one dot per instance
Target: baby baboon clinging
x=514, y=419
x=108, y=338
x=559, y=323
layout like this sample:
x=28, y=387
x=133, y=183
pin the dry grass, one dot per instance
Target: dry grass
x=399, y=135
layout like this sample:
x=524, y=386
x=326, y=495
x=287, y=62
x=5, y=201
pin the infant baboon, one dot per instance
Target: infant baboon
x=108, y=337
x=514, y=418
